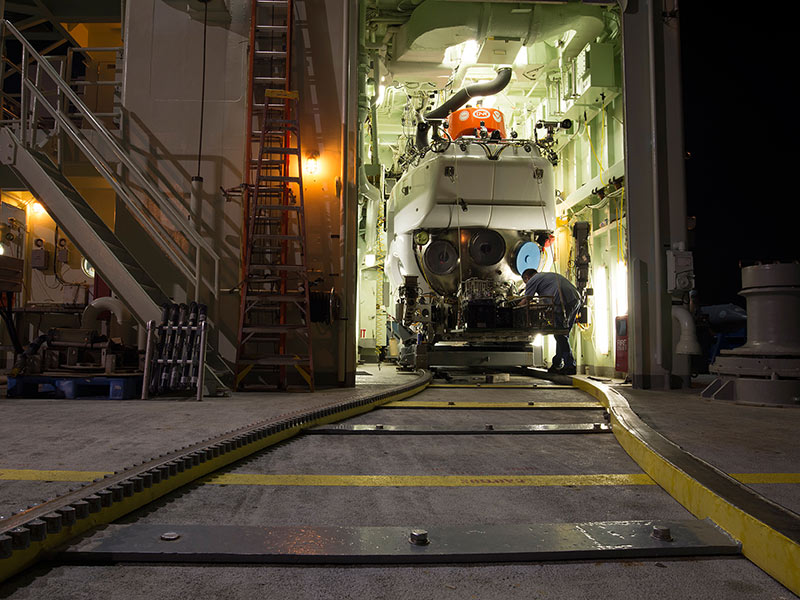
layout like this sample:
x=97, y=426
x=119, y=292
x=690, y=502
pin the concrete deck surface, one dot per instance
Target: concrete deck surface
x=106, y=435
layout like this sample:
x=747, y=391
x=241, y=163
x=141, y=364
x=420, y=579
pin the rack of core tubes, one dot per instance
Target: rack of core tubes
x=175, y=353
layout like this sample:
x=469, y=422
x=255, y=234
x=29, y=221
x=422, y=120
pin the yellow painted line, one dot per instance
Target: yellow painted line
x=502, y=386
x=430, y=480
x=766, y=547
x=37, y=475
x=458, y=404
x=399, y=480
x=766, y=477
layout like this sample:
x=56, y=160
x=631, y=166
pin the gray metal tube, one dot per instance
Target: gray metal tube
x=471, y=91
x=661, y=358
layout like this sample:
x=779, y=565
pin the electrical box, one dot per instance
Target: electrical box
x=40, y=259
x=62, y=255
x=680, y=271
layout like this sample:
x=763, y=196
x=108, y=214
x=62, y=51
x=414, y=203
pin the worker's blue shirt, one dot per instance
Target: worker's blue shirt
x=547, y=284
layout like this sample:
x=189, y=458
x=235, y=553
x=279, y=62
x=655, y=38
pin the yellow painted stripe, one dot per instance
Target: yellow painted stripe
x=767, y=477
x=430, y=480
x=397, y=480
x=37, y=475
x=767, y=548
x=457, y=404
x=503, y=386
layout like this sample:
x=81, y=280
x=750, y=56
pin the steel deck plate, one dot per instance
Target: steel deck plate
x=488, y=429
x=492, y=405
x=360, y=545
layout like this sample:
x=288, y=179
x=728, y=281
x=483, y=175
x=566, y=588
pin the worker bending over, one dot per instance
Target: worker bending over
x=567, y=301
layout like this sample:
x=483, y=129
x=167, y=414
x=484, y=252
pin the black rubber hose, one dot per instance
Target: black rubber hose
x=471, y=91
x=422, y=136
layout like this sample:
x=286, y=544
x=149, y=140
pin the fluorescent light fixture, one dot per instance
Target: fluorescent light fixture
x=601, y=316
x=521, y=58
x=538, y=341
x=465, y=53
x=381, y=95
x=369, y=260
x=621, y=289
x=2, y=249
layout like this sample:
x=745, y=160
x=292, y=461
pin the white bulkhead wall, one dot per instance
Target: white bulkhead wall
x=161, y=103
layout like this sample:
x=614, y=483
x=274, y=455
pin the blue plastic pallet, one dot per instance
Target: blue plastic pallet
x=59, y=386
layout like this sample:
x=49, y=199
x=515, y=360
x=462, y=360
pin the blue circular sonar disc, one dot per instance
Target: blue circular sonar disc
x=528, y=257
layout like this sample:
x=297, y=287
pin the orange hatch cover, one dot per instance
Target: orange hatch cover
x=466, y=121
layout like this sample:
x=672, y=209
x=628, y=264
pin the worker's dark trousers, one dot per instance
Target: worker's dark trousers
x=563, y=350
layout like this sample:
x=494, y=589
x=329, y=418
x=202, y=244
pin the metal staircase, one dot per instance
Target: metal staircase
x=41, y=119
x=274, y=333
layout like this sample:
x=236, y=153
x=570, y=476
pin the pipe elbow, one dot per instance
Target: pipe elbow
x=688, y=343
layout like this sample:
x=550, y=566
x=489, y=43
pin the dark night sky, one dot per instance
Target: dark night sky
x=739, y=70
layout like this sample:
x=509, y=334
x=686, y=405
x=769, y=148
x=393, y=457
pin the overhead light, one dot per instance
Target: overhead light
x=465, y=53
x=37, y=208
x=311, y=165
x=381, y=95
x=538, y=341
x=522, y=57
x=369, y=260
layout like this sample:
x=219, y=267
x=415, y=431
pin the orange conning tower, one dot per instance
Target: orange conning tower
x=467, y=121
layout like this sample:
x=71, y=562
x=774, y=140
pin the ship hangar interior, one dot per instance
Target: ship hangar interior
x=377, y=299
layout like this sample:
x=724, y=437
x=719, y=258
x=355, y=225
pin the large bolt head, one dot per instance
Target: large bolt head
x=419, y=537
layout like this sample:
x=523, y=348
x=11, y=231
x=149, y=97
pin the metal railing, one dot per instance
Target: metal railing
x=63, y=109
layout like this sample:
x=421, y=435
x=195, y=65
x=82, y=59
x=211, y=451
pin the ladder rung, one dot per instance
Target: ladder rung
x=271, y=3
x=270, y=297
x=280, y=150
x=270, y=54
x=270, y=28
x=265, y=79
x=275, y=236
x=266, y=163
x=261, y=105
x=280, y=267
x=272, y=328
x=278, y=206
x=275, y=359
x=292, y=122
x=279, y=178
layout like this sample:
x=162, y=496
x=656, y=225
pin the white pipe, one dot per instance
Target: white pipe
x=116, y=308
x=687, y=344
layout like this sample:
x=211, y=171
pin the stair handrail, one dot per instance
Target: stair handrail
x=161, y=200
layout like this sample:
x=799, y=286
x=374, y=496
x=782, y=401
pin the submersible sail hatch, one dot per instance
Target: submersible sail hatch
x=473, y=210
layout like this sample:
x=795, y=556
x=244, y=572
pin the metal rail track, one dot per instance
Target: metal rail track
x=35, y=532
